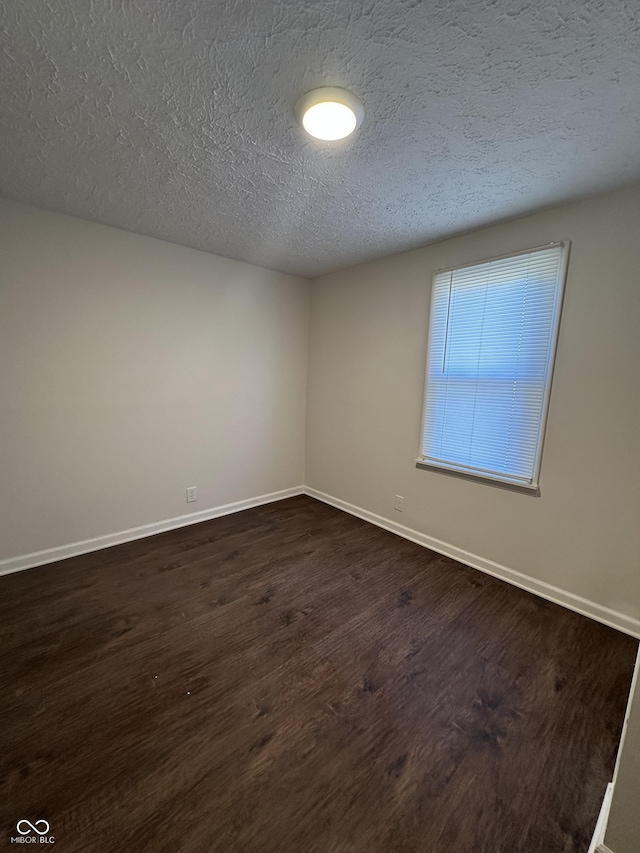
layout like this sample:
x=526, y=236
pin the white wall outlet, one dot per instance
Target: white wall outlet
x=399, y=503
x=192, y=494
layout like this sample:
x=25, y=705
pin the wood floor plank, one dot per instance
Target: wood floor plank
x=291, y=678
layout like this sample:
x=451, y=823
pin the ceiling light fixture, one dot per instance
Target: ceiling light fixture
x=330, y=113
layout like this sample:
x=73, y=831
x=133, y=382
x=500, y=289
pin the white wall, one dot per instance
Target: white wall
x=130, y=369
x=367, y=354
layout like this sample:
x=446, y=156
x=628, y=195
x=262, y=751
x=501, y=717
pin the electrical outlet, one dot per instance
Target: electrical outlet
x=399, y=503
x=192, y=494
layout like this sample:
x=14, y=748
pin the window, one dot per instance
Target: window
x=492, y=339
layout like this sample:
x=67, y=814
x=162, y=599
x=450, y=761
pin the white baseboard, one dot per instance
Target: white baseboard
x=51, y=555
x=603, y=818
x=597, y=843
x=613, y=618
x=627, y=714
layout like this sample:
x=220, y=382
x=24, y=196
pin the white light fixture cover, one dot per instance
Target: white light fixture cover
x=329, y=113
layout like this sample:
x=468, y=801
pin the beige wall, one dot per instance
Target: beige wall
x=130, y=369
x=366, y=373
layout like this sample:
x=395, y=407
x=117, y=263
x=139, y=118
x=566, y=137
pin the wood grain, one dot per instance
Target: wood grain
x=291, y=678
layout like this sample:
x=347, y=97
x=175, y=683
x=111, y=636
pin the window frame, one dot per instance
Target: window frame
x=475, y=474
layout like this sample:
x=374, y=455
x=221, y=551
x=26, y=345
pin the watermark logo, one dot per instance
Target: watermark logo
x=32, y=827
x=33, y=833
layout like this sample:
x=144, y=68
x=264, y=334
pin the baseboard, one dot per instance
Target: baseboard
x=613, y=618
x=627, y=714
x=597, y=843
x=603, y=818
x=51, y=555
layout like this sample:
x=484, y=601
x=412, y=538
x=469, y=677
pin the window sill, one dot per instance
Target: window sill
x=531, y=489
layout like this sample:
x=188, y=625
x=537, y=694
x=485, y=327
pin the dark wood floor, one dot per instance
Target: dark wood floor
x=291, y=678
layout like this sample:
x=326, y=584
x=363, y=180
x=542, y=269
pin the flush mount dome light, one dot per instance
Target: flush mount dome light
x=330, y=113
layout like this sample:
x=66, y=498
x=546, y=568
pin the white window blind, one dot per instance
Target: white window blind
x=490, y=358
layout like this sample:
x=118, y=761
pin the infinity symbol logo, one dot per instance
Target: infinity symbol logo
x=32, y=827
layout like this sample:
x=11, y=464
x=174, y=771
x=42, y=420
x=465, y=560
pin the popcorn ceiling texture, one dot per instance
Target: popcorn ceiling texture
x=175, y=119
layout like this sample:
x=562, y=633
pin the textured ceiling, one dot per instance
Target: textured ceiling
x=174, y=118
